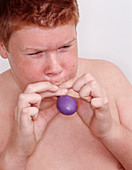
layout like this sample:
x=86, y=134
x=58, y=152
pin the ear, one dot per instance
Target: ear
x=3, y=51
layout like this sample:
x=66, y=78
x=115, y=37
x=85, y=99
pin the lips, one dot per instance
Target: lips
x=57, y=83
x=57, y=80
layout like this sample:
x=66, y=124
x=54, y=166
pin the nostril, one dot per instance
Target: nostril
x=53, y=72
x=53, y=65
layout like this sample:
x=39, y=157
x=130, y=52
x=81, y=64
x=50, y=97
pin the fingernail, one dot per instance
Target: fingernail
x=64, y=90
x=56, y=87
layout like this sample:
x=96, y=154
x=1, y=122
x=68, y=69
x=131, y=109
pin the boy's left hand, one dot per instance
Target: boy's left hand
x=93, y=105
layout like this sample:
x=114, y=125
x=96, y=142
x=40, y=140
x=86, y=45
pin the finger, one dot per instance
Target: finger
x=28, y=115
x=91, y=90
x=88, y=88
x=40, y=87
x=100, y=103
x=85, y=92
x=103, y=121
x=60, y=92
x=83, y=80
x=101, y=107
x=26, y=100
x=68, y=84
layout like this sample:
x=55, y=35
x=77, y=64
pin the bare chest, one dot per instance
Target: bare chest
x=68, y=145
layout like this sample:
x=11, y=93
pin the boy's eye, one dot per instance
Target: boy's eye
x=36, y=53
x=65, y=47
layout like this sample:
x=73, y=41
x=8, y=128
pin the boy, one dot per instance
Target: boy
x=39, y=39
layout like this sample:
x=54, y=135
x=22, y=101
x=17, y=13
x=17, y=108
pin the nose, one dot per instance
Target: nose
x=53, y=64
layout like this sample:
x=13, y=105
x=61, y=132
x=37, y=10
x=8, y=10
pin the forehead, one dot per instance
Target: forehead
x=36, y=36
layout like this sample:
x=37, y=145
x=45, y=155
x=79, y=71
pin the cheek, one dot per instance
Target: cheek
x=70, y=66
x=32, y=71
x=27, y=72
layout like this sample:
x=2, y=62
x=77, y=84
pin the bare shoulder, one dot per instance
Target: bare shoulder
x=100, y=66
x=104, y=71
x=107, y=74
x=3, y=78
x=4, y=81
x=7, y=89
x=6, y=108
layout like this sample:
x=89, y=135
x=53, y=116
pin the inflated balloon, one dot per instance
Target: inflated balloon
x=67, y=105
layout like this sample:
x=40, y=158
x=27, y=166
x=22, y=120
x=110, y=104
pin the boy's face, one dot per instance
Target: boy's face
x=37, y=54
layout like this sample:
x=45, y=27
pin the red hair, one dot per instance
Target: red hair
x=15, y=14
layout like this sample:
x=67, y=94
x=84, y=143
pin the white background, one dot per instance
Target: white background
x=104, y=32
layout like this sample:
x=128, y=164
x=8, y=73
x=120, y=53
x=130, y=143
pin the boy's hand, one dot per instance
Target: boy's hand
x=30, y=122
x=93, y=106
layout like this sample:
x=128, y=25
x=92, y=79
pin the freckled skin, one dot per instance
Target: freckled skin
x=53, y=64
x=44, y=65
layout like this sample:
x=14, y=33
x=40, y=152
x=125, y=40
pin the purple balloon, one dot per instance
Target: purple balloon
x=67, y=105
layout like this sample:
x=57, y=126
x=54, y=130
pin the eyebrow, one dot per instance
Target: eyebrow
x=69, y=42
x=30, y=49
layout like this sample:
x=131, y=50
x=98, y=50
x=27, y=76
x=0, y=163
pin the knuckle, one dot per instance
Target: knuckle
x=103, y=103
x=81, y=94
x=88, y=76
x=36, y=109
x=29, y=110
x=94, y=84
x=39, y=97
x=29, y=88
x=22, y=96
x=76, y=88
x=47, y=84
x=24, y=111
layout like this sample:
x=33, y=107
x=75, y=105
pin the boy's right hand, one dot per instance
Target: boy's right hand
x=30, y=122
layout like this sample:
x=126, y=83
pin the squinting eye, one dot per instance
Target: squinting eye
x=64, y=48
x=36, y=53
